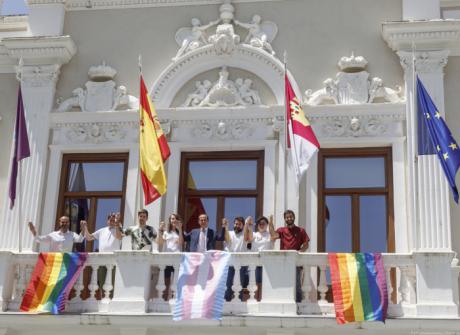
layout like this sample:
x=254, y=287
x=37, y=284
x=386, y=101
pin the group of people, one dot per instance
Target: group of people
x=172, y=238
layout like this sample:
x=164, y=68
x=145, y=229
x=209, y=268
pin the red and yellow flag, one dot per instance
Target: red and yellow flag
x=154, y=149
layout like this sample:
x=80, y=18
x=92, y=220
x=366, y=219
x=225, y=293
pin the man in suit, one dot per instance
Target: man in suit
x=203, y=238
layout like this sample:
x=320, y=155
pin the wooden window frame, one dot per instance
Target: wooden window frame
x=185, y=193
x=67, y=159
x=355, y=193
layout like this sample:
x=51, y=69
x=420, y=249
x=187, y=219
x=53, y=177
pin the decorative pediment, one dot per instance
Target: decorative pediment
x=223, y=93
x=101, y=93
x=221, y=33
x=353, y=86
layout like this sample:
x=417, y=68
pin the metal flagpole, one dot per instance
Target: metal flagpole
x=20, y=205
x=286, y=134
x=415, y=147
x=138, y=186
x=21, y=62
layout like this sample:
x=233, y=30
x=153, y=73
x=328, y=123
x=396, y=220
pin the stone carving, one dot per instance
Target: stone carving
x=260, y=35
x=195, y=98
x=354, y=126
x=222, y=130
x=352, y=86
x=224, y=39
x=99, y=94
x=223, y=93
x=192, y=38
x=95, y=133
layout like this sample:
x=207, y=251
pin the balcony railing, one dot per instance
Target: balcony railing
x=140, y=286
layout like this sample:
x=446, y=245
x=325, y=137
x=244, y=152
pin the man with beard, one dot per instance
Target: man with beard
x=292, y=237
x=235, y=242
x=61, y=240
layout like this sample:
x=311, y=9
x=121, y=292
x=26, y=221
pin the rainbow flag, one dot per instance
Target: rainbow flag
x=50, y=284
x=359, y=287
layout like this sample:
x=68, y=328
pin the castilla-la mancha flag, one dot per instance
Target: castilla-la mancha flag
x=301, y=139
x=154, y=149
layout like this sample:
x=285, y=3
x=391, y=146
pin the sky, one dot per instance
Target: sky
x=14, y=7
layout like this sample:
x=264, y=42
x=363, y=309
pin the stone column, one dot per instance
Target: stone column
x=42, y=58
x=428, y=192
x=38, y=85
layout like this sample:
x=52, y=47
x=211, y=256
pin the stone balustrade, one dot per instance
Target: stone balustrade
x=140, y=284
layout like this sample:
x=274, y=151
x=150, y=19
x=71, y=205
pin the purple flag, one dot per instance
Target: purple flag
x=21, y=146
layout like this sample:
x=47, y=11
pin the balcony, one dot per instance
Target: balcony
x=140, y=287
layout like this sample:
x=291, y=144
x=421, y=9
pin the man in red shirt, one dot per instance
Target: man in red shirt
x=292, y=237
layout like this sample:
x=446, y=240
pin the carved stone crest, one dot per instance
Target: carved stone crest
x=100, y=93
x=352, y=86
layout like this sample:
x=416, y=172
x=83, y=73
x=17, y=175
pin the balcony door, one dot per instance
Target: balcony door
x=220, y=184
x=92, y=186
x=355, y=200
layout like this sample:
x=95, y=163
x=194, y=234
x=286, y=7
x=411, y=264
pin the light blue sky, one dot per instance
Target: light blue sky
x=14, y=7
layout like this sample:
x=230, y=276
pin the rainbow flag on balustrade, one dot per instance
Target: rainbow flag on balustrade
x=52, y=279
x=359, y=287
x=201, y=285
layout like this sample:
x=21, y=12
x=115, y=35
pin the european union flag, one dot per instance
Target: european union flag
x=434, y=137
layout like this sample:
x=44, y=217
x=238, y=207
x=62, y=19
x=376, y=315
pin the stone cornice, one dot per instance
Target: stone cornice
x=72, y=5
x=14, y=23
x=35, y=51
x=426, y=35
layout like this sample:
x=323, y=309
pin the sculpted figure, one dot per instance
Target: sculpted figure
x=259, y=34
x=192, y=38
x=123, y=99
x=248, y=95
x=200, y=93
x=77, y=100
x=377, y=90
x=325, y=95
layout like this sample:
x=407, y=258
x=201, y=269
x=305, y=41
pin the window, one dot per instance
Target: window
x=220, y=184
x=355, y=207
x=92, y=186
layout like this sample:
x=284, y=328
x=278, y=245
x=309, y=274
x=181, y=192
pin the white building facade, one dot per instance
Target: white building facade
x=215, y=70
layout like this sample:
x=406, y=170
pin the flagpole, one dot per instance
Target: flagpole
x=415, y=146
x=285, y=133
x=138, y=185
x=21, y=62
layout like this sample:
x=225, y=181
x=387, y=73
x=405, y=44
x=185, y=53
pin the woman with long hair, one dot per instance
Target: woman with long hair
x=170, y=239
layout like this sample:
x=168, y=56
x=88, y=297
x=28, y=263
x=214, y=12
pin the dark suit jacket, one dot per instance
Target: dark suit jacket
x=192, y=238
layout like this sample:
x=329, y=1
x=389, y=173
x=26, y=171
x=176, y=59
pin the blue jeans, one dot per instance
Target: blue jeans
x=244, y=279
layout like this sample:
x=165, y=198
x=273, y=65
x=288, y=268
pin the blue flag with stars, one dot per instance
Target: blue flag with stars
x=434, y=137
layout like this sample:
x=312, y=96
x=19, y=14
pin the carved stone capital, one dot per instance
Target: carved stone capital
x=425, y=61
x=38, y=76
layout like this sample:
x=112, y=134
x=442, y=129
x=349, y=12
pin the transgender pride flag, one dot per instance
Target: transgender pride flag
x=201, y=285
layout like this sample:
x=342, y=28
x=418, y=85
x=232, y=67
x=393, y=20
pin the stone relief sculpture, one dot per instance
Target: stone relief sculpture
x=100, y=93
x=260, y=35
x=192, y=38
x=353, y=86
x=224, y=39
x=223, y=93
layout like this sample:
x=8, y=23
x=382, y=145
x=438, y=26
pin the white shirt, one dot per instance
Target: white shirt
x=171, y=241
x=107, y=239
x=202, y=240
x=237, y=243
x=261, y=241
x=60, y=242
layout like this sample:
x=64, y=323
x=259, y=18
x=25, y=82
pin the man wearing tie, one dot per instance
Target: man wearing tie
x=203, y=238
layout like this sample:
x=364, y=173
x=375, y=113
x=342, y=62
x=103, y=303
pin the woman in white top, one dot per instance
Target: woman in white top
x=170, y=240
x=260, y=240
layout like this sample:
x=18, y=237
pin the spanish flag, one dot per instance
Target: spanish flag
x=301, y=139
x=154, y=149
